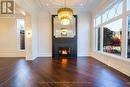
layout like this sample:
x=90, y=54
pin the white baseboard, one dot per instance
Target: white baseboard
x=45, y=55
x=84, y=54
x=12, y=54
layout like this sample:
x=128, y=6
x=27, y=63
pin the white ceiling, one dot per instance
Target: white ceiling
x=76, y=5
x=52, y=5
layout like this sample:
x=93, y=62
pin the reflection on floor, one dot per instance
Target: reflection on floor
x=47, y=72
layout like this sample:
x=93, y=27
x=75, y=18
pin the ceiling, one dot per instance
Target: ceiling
x=76, y=5
x=52, y=5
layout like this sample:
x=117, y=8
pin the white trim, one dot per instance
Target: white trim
x=106, y=8
x=100, y=13
x=114, y=56
x=12, y=54
x=45, y=55
x=124, y=31
x=111, y=20
x=109, y=4
x=96, y=39
x=101, y=40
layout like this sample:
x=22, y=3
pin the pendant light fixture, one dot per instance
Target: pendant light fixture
x=65, y=15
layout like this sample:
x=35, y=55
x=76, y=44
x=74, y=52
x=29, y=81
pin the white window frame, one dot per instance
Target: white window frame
x=122, y=16
x=127, y=12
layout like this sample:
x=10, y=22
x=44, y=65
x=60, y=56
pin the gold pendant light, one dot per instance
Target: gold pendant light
x=65, y=15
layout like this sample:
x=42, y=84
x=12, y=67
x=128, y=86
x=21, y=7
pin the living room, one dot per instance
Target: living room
x=63, y=43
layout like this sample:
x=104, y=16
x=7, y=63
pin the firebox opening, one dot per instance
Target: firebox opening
x=64, y=51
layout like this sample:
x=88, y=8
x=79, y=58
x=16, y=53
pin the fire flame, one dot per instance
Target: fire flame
x=64, y=52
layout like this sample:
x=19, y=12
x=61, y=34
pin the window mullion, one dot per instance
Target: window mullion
x=101, y=40
x=124, y=30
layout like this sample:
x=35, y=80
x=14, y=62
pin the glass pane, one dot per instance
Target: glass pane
x=128, y=26
x=119, y=7
x=98, y=20
x=98, y=39
x=128, y=4
x=111, y=13
x=112, y=37
x=105, y=16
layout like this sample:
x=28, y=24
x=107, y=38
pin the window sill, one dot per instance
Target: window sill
x=114, y=56
x=22, y=50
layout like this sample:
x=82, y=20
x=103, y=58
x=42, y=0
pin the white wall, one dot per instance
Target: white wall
x=34, y=36
x=8, y=39
x=45, y=33
x=8, y=33
x=83, y=34
x=30, y=9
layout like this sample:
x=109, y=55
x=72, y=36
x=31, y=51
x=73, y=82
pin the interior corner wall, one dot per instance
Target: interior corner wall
x=8, y=39
x=45, y=34
x=34, y=36
x=83, y=34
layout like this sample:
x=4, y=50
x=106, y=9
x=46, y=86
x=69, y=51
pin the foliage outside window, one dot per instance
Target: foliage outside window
x=112, y=37
x=98, y=38
x=128, y=26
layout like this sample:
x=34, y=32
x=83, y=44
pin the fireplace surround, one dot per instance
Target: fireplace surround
x=64, y=47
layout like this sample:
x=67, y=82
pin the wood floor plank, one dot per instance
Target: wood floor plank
x=48, y=72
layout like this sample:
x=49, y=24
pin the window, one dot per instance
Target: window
x=128, y=26
x=118, y=8
x=112, y=12
x=98, y=31
x=112, y=37
x=21, y=33
x=105, y=16
x=128, y=4
x=98, y=20
x=110, y=40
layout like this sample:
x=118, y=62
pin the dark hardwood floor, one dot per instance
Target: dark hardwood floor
x=47, y=72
